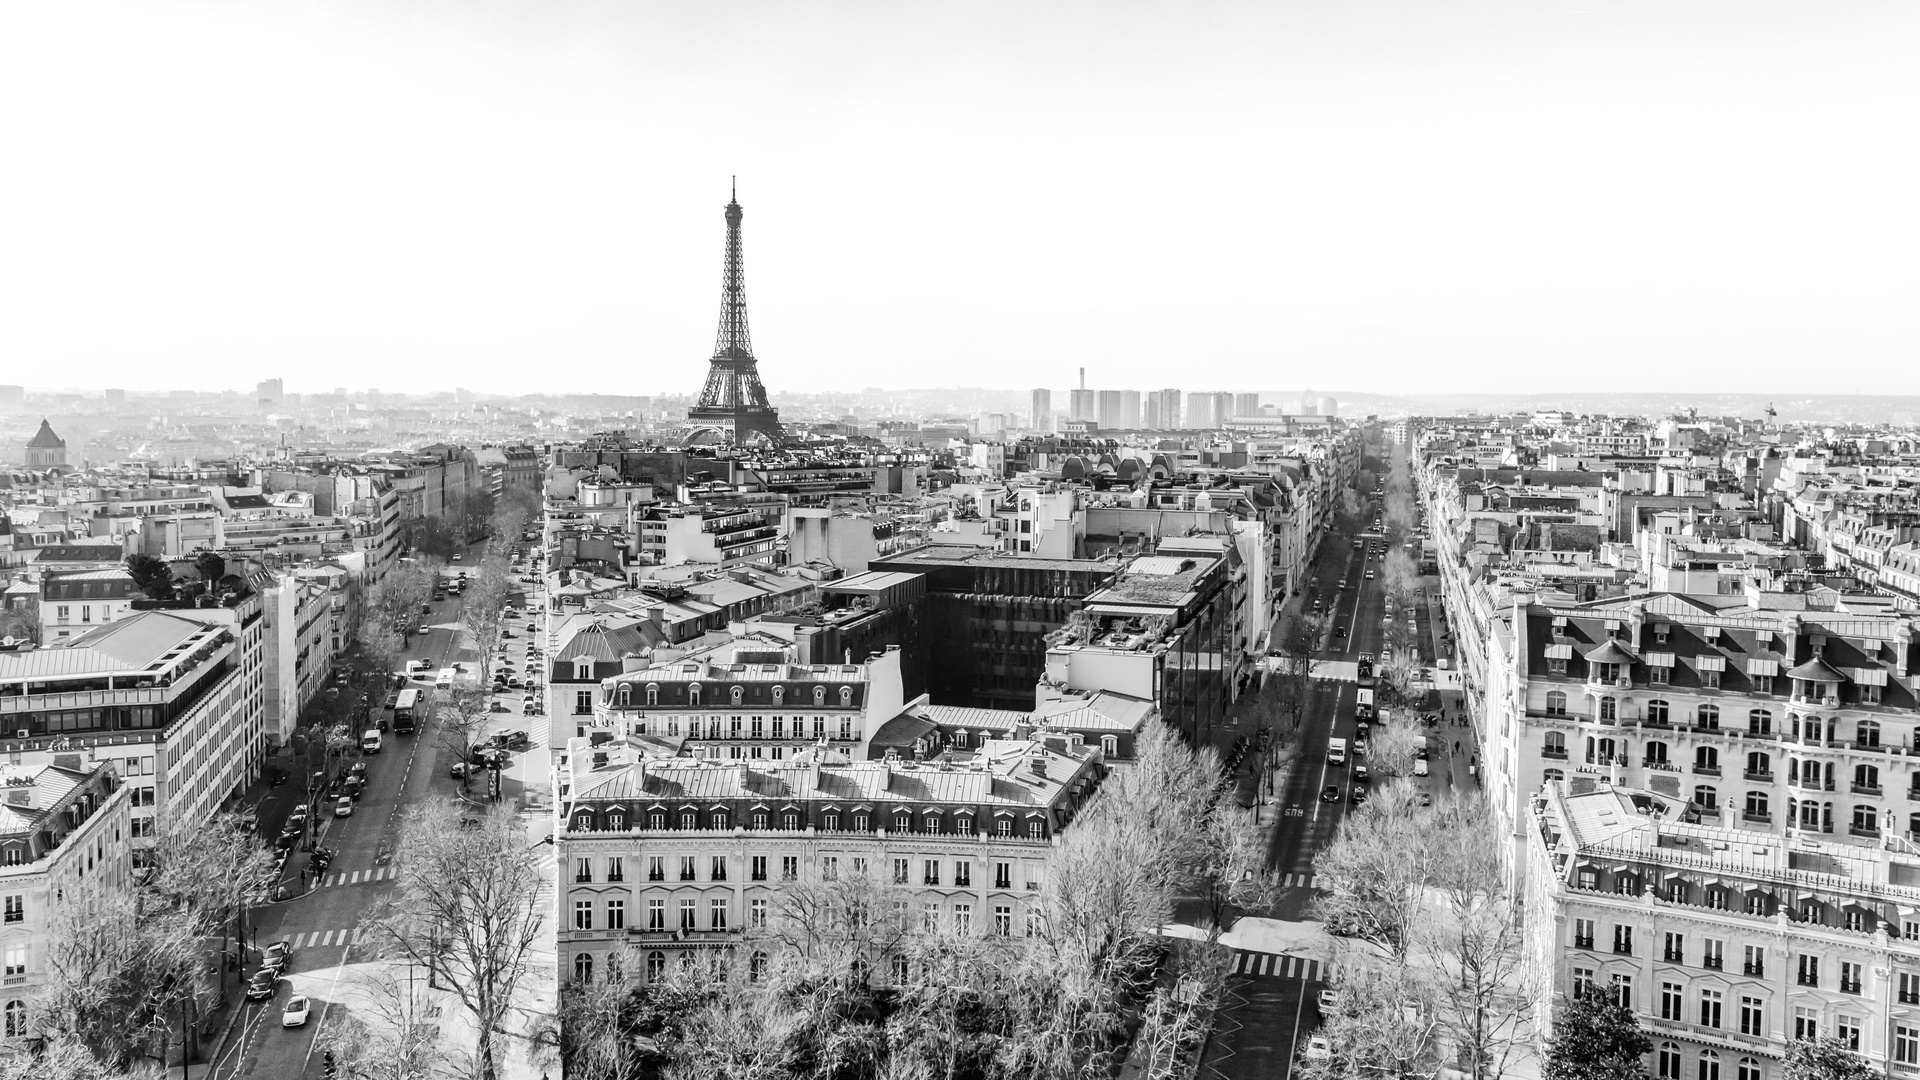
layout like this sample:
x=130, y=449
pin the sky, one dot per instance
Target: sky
x=1404, y=195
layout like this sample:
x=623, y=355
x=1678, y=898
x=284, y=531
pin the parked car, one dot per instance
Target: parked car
x=275, y=963
x=1318, y=1048
x=344, y=807
x=262, y=985
x=295, y=1014
x=460, y=769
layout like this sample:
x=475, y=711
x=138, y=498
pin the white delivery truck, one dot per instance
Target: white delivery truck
x=1336, y=751
x=1364, y=710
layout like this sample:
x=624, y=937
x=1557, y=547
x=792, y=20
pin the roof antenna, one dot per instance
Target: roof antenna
x=736, y=189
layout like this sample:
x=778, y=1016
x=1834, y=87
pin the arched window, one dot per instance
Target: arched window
x=1867, y=733
x=1656, y=753
x=1749, y=1069
x=1552, y=775
x=653, y=693
x=1759, y=765
x=1556, y=703
x=693, y=693
x=1669, y=1063
x=626, y=695
x=583, y=968
x=1866, y=819
x=1866, y=776
x=757, y=966
x=1708, y=716
x=1759, y=722
x=1109, y=745
x=1554, y=744
x=1709, y=1065
x=16, y=1014
x=1609, y=708
x=1657, y=712
x=616, y=971
x=1706, y=759
x=1706, y=797
x=779, y=694
x=819, y=695
x=1757, y=804
x=736, y=694
x=656, y=965
x=846, y=696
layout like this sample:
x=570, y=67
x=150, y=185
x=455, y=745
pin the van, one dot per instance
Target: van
x=370, y=741
x=445, y=679
x=1336, y=751
x=1420, y=766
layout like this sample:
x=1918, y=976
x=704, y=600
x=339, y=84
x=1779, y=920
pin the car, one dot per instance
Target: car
x=459, y=770
x=277, y=964
x=495, y=706
x=344, y=807
x=1331, y=794
x=457, y=556
x=353, y=787
x=1426, y=798
x=1339, y=631
x=1369, y=575
x=295, y=1014
x=427, y=609
x=1359, y=772
x=1318, y=1048
x=506, y=633
x=1359, y=744
x=1359, y=794
x=359, y=769
x=262, y=985
x=283, y=948
x=1342, y=584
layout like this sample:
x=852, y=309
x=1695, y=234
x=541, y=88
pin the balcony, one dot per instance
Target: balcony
x=1758, y=971
x=1815, y=701
x=1583, y=943
x=1711, y=962
x=1869, y=832
x=1659, y=766
x=1757, y=819
x=1706, y=770
x=1865, y=789
x=1557, y=753
x=1758, y=777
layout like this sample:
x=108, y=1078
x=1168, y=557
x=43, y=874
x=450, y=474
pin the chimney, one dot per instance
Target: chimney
x=1038, y=763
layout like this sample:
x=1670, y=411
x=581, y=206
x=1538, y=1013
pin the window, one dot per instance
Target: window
x=757, y=914
x=829, y=868
x=757, y=868
x=583, y=870
x=1709, y=680
x=1712, y=953
x=1756, y=804
x=1848, y=1028
x=1554, y=745
x=1706, y=797
x=689, y=819
x=757, y=966
x=1906, y=1041
x=718, y=868
x=1556, y=665
x=1623, y=939
x=1806, y=1023
x=583, y=967
x=616, y=914
x=656, y=821
x=16, y=908
x=656, y=965
x=1762, y=684
x=963, y=873
x=756, y=728
x=717, y=913
x=1849, y=977
x=901, y=868
x=1609, y=708
x=1749, y=1069
x=830, y=822
x=718, y=820
x=1036, y=830
x=1909, y=988
x=1668, y=1067
x=583, y=914
x=1756, y=961
x=582, y=702
x=1674, y=949
x=1556, y=703
x=1033, y=922
x=1709, y=1065
x=656, y=868
x=16, y=1015
x=656, y=915
x=930, y=872
x=1867, y=695
x=1003, y=920
x=1582, y=982
x=1109, y=746
x=1672, y=1006
x=962, y=919
x=1657, y=711
x=1809, y=972
x=686, y=868
x=1710, y=1008
x=789, y=820
x=1003, y=875
x=1753, y=1018
x=1623, y=991
x=1759, y=722
x=686, y=914
x=616, y=869
x=789, y=868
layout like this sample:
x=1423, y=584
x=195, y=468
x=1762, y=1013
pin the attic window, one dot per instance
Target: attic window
x=1712, y=632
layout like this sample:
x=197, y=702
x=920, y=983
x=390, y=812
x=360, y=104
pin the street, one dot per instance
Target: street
x=1270, y=1007
x=329, y=926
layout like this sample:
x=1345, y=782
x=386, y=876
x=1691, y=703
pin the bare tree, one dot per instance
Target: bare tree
x=388, y=1032
x=22, y=620
x=124, y=973
x=1178, y=1016
x=468, y=909
x=1231, y=877
x=480, y=609
x=1296, y=643
x=215, y=871
x=1391, y=748
x=1380, y=1026
x=1373, y=876
x=63, y=1058
x=461, y=715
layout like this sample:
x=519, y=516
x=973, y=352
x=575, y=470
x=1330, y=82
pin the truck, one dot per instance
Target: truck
x=1336, y=751
x=1364, y=709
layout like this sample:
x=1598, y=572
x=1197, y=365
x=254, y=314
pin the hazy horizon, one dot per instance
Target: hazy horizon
x=1474, y=197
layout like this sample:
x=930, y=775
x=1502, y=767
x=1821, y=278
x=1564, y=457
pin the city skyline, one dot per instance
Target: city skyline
x=1467, y=199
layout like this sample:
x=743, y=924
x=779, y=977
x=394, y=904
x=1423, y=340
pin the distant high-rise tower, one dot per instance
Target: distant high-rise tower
x=1162, y=409
x=1042, y=419
x=733, y=397
x=46, y=450
x=1246, y=405
x=268, y=392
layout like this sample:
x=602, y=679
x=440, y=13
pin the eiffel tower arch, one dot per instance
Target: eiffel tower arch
x=733, y=398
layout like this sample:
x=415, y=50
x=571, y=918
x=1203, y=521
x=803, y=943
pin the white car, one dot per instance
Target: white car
x=296, y=1011
x=1318, y=1048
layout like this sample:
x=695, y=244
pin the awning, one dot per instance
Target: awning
x=1610, y=653
x=1559, y=652
x=1816, y=670
x=1763, y=667
x=1869, y=676
x=1710, y=663
x=1659, y=659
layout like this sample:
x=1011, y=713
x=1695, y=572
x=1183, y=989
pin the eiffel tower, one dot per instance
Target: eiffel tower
x=733, y=398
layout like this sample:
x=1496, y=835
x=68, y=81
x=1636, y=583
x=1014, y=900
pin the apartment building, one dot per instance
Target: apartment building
x=173, y=696
x=664, y=857
x=74, y=603
x=1727, y=943
x=741, y=702
x=61, y=823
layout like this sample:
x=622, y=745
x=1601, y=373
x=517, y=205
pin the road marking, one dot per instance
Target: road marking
x=1275, y=965
x=1298, y=881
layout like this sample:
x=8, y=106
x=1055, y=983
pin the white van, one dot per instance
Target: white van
x=1419, y=766
x=370, y=741
x=1336, y=751
x=445, y=679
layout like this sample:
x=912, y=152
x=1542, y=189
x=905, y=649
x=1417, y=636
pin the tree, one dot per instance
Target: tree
x=438, y=538
x=214, y=871
x=1373, y=875
x=1596, y=1039
x=1392, y=746
x=461, y=716
x=389, y=1031
x=22, y=620
x=1231, y=869
x=211, y=566
x=480, y=608
x=1296, y=643
x=1381, y=1024
x=468, y=910
x=151, y=576
x=1824, y=1059
x=122, y=972
x=63, y=1058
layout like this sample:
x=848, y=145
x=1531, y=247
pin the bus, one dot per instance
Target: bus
x=403, y=712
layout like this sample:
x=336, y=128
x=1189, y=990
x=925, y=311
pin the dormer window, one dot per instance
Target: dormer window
x=736, y=694
x=846, y=696
x=693, y=694
x=626, y=695
x=779, y=692
x=582, y=669
x=653, y=693
x=819, y=695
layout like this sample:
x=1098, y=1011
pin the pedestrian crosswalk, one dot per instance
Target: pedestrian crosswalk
x=1275, y=965
x=320, y=939
x=359, y=877
x=1297, y=881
